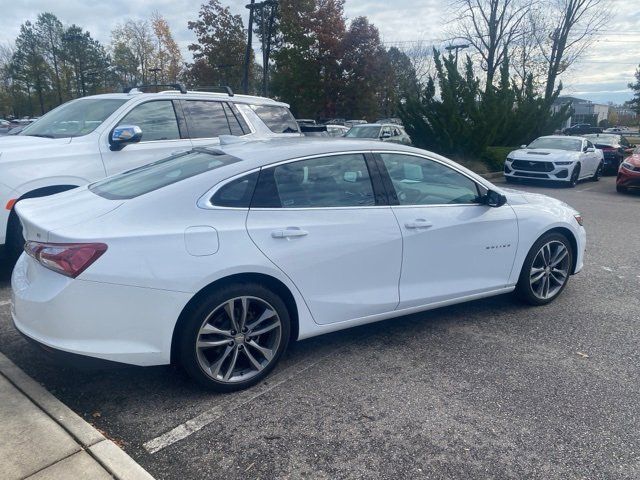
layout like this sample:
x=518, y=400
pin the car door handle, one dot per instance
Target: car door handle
x=418, y=223
x=289, y=232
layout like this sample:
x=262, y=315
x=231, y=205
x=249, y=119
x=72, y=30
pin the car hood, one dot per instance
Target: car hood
x=634, y=160
x=519, y=197
x=41, y=217
x=543, y=155
x=24, y=144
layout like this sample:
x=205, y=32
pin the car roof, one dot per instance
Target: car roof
x=267, y=151
x=175, y=94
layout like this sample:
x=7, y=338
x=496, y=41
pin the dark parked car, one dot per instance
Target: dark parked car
x=581, y=129
x=613, y=146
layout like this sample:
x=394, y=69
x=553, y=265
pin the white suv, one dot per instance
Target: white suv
x=93, y=137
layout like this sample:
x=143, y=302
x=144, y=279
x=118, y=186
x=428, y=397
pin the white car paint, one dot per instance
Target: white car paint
x=561, y=163
x=29, y=163
x=343, y=266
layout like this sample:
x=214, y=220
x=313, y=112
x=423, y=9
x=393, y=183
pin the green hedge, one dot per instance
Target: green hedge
x=494, y=157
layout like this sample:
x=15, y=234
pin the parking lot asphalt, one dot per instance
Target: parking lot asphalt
x=488, y=389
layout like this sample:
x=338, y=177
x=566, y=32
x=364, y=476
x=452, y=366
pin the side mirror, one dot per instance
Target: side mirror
x=385, y=135
x=123, y=135
x=494, y=199
x=589, y=149
x=523, y=146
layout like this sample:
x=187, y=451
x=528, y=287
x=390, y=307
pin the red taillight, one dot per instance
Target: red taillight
x=70, y=259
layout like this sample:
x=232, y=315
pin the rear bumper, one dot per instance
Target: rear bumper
x=117, y=323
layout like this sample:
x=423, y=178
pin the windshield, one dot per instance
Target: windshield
x=604, y=139
x=153, y=176
x=571, y=144
x=370, y=131
x=74, y=119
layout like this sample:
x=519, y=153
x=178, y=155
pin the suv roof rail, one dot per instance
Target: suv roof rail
x=215, y=89
x=138, y=88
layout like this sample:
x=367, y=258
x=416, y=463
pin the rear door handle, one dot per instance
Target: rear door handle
x=418, y=223
x=289, y=232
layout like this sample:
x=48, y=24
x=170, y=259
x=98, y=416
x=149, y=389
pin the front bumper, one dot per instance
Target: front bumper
x=118, y=323
x=551, y=171
x=628, y=179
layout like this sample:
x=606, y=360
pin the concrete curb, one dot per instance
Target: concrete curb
x=104, y=451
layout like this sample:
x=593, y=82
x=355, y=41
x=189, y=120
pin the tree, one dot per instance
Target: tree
x=563, y=31
x=139, y=38
x=635, y=102
x=400, y=81
x=29, y=65
x=88, y=61
x=491, y=27
x=168, y=57
x=49, y=31
x=363, y=66
x=307, y=70
x=219, y=52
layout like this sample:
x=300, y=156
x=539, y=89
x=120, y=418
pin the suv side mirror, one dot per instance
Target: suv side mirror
x=385, y=135
x=523, y=146
x=494, y=199
x=123, y=135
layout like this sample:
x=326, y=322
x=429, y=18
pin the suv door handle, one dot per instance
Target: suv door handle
x=289, y=232
x=418, y=223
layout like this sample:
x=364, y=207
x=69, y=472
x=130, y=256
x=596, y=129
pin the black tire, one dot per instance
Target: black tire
x=575, y=175
x=621, y=189
x=598, y=173
x=524, y=289
x=188, y=352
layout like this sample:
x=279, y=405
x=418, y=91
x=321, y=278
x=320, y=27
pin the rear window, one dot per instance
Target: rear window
x=159, y=174
x=278, y=119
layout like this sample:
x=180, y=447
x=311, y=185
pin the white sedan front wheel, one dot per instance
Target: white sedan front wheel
x=546, y=270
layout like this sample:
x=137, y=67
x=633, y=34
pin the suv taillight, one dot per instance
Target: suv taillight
x=70, y=259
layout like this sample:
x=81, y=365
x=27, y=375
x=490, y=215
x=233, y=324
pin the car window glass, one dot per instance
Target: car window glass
x=236, y=193
x=332, y=181
x=277, y=119
x=589, y=144
x=206, y=119
x=420, y=181
x=156, y=175
x=234, y=123
x=156, y=119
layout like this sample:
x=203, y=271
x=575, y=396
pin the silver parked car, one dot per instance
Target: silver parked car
x=388, y=132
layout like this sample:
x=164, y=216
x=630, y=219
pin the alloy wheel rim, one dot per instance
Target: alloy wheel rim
x=549, y=270
x=238, y=339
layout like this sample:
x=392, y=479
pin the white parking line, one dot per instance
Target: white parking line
x=5, y=302
x=233, y=402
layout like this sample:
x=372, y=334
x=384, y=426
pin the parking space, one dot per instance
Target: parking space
x=486, y=389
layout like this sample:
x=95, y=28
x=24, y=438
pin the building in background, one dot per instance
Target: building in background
x=584, y=111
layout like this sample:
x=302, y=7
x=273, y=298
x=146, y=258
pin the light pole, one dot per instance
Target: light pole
x=460, y=46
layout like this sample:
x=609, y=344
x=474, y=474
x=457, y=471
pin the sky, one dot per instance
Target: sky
x=601, y=75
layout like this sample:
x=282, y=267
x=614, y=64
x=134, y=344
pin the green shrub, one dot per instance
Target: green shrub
x=494, y=157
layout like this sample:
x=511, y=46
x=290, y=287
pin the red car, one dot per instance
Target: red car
x=629, y=172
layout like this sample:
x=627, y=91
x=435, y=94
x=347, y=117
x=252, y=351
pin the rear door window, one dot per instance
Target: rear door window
x=157, y=119
x=206, y=119
x=278, y=119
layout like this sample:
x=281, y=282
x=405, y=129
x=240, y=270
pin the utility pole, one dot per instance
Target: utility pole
x=265, y=40
x=461, y=46
x=247, y=54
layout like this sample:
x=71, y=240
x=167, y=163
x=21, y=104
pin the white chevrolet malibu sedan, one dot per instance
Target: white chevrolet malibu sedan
x=218, y=258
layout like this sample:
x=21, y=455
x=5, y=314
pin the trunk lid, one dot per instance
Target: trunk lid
x=44, y=215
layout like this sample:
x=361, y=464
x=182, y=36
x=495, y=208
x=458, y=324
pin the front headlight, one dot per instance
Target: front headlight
x=627, y=166
x=563, y=163
x=579, y=219
x=509, y=159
